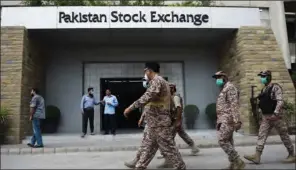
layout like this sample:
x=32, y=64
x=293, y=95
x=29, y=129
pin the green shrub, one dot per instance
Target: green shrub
x=4, y=116
x=289, y=108
x=211, y=112
x=3, y=124
x=191, y=113
x=52, y=112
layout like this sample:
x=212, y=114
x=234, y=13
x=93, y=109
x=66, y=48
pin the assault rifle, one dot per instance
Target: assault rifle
x=254, y=105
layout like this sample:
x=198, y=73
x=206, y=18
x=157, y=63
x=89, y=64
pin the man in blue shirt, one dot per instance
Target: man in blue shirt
x=88, y=102
x=37, y=112
x=110, y=102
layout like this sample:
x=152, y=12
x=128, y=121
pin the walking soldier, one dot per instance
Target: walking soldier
x=228, y=118
x=271, y=105
x=177, y=119
x=157, y=104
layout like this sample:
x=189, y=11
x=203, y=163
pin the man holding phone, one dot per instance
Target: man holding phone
x=110, y=102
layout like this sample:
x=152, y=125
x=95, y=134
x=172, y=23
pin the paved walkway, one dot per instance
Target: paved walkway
x=123, y=142
x=210, y=158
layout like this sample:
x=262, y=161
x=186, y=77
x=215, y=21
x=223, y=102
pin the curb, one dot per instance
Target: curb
x=35, y=151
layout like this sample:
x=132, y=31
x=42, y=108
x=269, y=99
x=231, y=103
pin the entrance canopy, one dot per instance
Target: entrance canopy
x=132, y=37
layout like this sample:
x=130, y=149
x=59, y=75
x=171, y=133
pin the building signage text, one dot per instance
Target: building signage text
x=196, y=19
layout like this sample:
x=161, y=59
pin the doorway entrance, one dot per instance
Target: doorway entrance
x=126, y=90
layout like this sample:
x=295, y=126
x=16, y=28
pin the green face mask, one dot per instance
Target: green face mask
x=263, y=80
x=219, y=82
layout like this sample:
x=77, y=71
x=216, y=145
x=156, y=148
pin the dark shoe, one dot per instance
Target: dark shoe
x=38, y=146
x=30, y=145
x=92, y=133
x=106, y=133
x=83, y=135
x=113, y=133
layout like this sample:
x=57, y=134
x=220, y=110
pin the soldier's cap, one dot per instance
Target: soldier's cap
x=265, y=73
x=172, y=85
x=219, y=73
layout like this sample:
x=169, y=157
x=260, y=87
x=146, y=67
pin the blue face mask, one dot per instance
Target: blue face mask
x=263, y=80
x=219, y=82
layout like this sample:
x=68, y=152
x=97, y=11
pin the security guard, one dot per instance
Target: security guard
x=271, y=105
x=228, y=118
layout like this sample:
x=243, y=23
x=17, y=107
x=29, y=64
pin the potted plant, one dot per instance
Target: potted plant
x=211, y=113
x=3, y=124
x=52, y=120
x=290, y=114
x=191, y=113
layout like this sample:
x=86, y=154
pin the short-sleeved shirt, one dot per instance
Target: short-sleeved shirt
x=177, y=101
x=37, y=102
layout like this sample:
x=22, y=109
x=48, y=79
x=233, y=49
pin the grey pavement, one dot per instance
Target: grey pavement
x=210, y=158
x=67, y=143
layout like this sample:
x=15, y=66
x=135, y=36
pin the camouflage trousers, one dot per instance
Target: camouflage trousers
x=181, y=132
x=140, y=150
x=225, y=140
x=281, y=127
x=161, y=138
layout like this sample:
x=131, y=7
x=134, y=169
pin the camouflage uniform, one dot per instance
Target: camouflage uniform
x=280, y=125
x=181, y=131
x=266, y=126
x=177, y=99
x=159, y=125
x=227, y=114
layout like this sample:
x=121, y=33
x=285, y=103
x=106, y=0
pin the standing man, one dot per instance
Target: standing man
x=110, y=102
x=228, y=118
x=37, y=112
x=271, y=105
x=177, y=119
x=87, y=107
x=157, y=102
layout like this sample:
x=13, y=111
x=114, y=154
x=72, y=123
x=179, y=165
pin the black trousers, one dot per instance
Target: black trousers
x=88, y=115
x=110, y=123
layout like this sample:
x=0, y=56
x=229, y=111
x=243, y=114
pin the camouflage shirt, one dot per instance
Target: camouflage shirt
x=156, y=102
x=227, y=105
x=276, y=94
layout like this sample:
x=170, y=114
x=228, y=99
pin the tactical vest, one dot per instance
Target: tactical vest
x=266, y=103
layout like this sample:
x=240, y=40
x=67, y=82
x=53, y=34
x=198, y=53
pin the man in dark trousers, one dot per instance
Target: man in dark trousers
x=88, y=102
x=110, y=102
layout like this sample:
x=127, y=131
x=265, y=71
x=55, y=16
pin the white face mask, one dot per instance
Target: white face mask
x=145, y=81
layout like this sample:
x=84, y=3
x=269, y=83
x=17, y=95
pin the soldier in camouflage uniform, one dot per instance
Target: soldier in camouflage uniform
x=271, y=106
x=157, y=104
x=177, y=118
x=133, y=163
x=228, y=118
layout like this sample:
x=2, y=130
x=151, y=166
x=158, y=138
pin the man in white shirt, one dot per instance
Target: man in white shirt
x=110, y=102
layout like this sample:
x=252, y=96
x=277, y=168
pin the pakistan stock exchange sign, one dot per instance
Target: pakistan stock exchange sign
x=131, y=19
